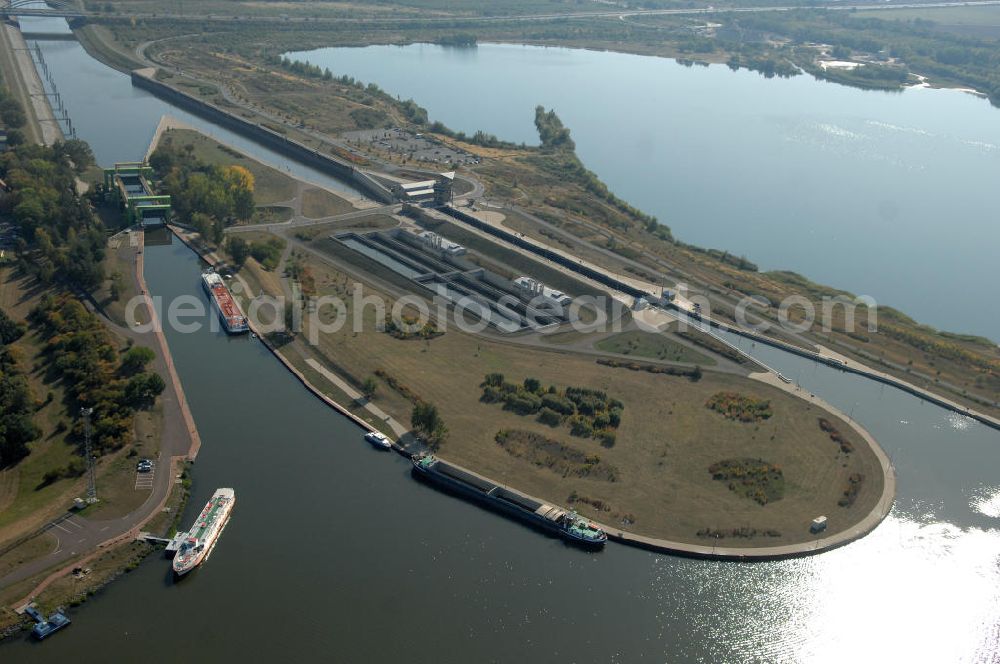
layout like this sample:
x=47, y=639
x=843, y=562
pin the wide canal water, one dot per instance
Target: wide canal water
x=886, y=194
x=335, y=554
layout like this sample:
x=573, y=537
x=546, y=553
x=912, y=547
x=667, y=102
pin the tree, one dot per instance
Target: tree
x=369, y=387
x=15, y=137
x=239, y=250
x=202, y=223
x=77, y=151
x=10, y=330
x=135, y=360
x=218, y=231
x=142, y=389
x=426, y=419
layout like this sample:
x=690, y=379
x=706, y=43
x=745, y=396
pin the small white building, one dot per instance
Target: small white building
x=438, y=243
x=532, y=288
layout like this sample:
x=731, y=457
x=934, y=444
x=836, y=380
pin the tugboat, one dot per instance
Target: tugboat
x=564, y=523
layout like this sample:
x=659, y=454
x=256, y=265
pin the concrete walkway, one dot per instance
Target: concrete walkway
x=357, y=397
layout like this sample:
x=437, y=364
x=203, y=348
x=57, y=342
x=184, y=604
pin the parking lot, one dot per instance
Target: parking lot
x=412, y=146
x=144, y=480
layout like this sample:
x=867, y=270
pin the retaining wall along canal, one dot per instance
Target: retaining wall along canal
x=267, y=137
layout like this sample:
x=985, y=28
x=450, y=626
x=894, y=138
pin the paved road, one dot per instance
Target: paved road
x=523, y=18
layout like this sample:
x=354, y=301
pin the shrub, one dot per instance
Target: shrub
x=549, y=417
x=558, y=404
x=523, y=403
x=494, y=380
x=581, y=427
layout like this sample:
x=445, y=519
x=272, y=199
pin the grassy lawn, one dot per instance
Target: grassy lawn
x=273, y=214
x=653, y=346
x=270, y=186
x=120, y=258
x=374, y=222
x=665, y=445
x=318, y=203
x=36, y=547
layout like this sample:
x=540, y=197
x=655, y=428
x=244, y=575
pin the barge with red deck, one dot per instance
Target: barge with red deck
x=230, y=313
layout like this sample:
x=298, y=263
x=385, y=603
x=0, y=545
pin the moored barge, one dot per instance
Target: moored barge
x=229, y=311
x=564, y=523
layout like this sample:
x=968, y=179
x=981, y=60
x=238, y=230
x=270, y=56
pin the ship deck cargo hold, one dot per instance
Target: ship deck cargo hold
x=229, y=311
x=568, y=525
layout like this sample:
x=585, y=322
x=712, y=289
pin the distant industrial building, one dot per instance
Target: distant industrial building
x=438, y=243
x=530, y=289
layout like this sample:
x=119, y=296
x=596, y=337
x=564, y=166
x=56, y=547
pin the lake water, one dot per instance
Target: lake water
x=335, y=554
x=886, y=194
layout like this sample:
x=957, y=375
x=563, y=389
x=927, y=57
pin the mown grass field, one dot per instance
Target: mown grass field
x=666, y=442
x=319, y=203
x=652, y=346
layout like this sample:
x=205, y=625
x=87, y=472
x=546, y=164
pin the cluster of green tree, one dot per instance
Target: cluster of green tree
x=61, y=240
x=80, y=351
x=869, y=76
x=736, y=406
x=304, y=68
x=13, y=117
x=588, y=413
x=694, y=373
x=551, y=130
x=558, y=156
x=461, y=40
x=17, y=406
x=478, y=138
x=204, y=196
x=756, y=479
x=739, y=262
x=427, y=421
x=409, y=328
x=266, y=252
x=766, y=64
x=917, y=44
